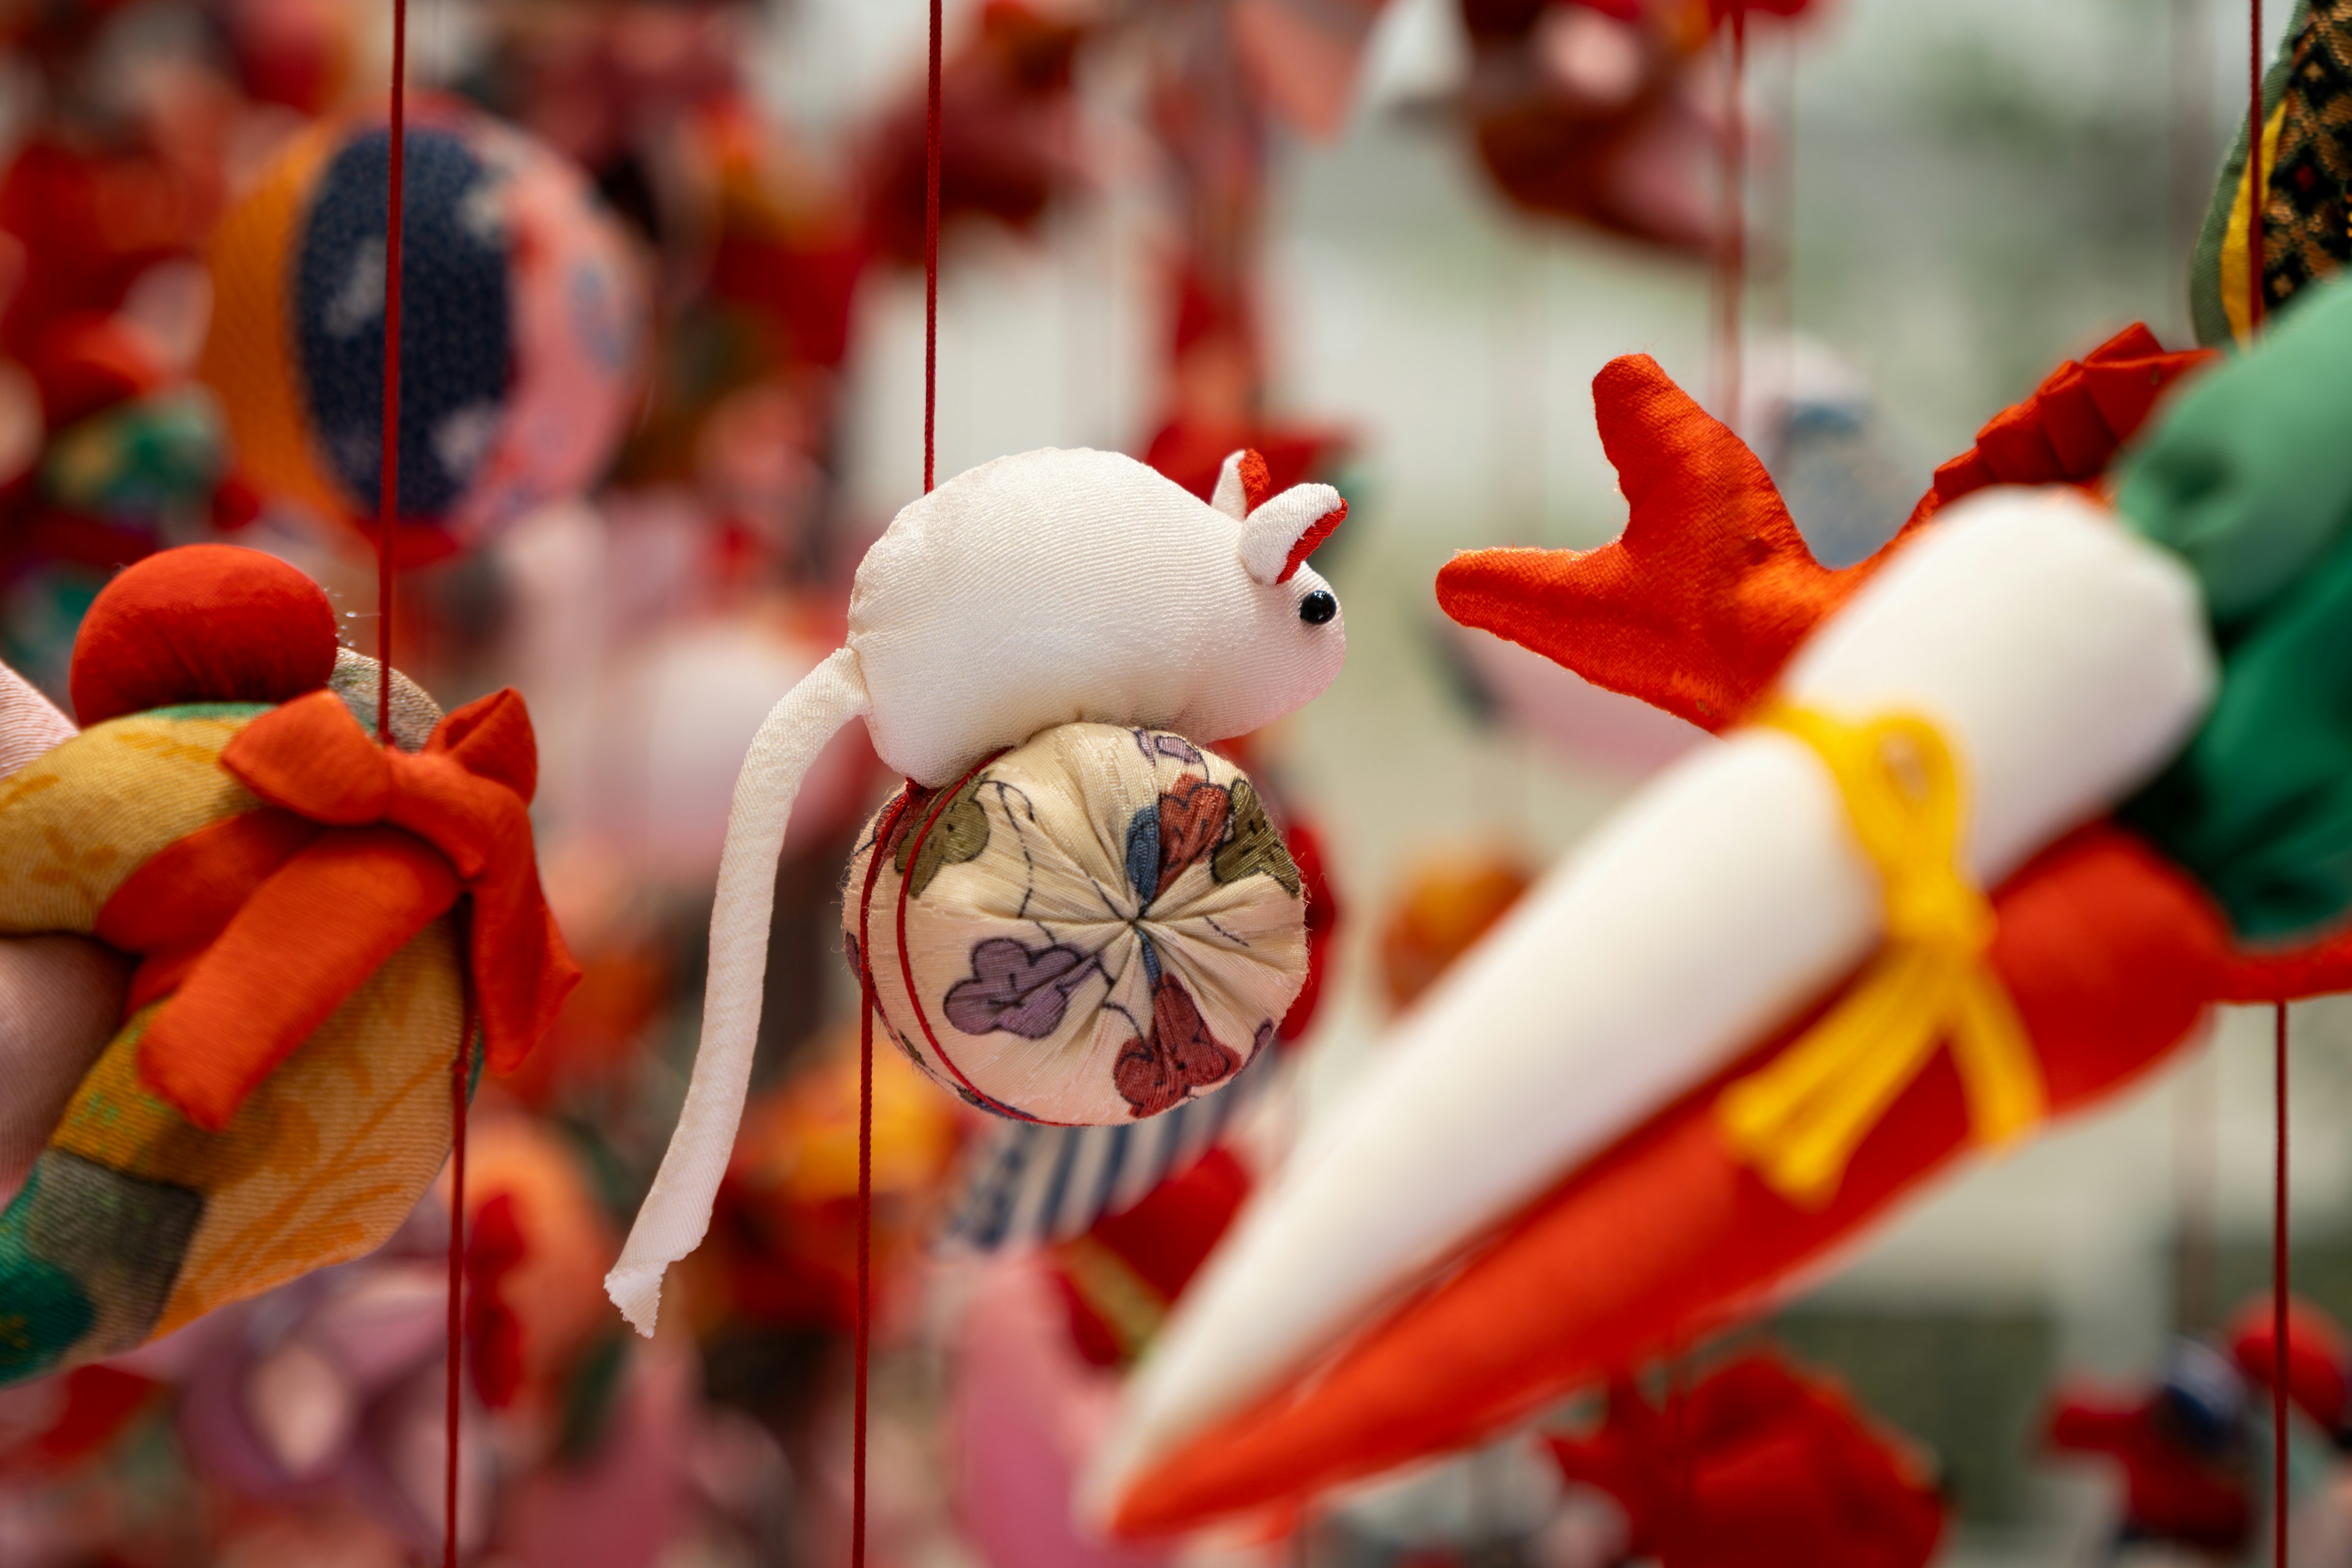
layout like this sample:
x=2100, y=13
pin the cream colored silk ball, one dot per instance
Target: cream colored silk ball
x=1092, y=927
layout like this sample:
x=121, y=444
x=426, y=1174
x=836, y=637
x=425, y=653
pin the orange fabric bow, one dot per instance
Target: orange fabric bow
x=259, y=927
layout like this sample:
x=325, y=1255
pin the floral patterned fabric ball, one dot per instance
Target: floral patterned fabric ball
x=1093, y=927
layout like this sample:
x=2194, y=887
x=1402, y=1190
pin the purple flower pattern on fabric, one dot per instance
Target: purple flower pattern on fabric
x=1016, y=988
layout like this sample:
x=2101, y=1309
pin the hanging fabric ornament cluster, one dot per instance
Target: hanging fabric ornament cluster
x=519, y=337
x=273, y=1098
x=1633, y=1071
x=1052, y=589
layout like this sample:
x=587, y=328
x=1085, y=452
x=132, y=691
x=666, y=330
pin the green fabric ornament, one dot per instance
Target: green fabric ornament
x=2248, y=478
x=2248, y=474
x=2259, y=806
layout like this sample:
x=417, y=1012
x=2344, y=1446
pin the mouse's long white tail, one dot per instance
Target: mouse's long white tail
x=677, y=1211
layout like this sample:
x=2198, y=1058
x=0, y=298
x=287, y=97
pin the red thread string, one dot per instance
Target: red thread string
x=1731, y=281
x=906, y=963
x=883, y=828
x=867, y=1003
x=2278, y=1311
x=459, y=1072
x=931, y=266
x=387, y=515
x=938, y=805
x=2255, y=195
x=388, y=477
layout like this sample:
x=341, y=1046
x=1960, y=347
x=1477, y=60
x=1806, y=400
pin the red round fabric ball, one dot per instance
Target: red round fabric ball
x=2315, y=1356
x=205, y=623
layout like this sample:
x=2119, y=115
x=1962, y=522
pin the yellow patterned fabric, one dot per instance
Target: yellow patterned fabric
x=134, y=1221
x=75, y=823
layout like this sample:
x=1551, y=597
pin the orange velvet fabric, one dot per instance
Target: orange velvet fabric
x=2109, y=955
x=205, y=623
x=1701, y=601
x=261, y=926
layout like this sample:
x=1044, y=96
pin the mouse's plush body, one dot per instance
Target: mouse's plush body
x=1053, y=587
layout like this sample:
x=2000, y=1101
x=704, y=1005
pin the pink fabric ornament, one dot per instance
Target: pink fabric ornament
x=1024, y=1410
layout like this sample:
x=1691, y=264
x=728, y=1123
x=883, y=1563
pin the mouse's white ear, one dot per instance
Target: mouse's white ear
x=1242, y=484
x=1282, y=533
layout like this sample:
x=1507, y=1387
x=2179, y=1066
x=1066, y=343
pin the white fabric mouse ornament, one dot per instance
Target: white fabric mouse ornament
x=1047, y=589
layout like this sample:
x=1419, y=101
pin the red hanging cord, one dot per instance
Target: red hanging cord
x=865, y=1256
x=387, y=517
x=1731, y=260
x=884, y=827
x=388, y=477
x=864, y=1345
x=2255, y=195
x=458, y=1074
x=931, y=265
x=2278, y=1310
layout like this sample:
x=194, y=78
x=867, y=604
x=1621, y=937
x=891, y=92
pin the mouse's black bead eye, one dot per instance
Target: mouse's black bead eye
x=1318, y=607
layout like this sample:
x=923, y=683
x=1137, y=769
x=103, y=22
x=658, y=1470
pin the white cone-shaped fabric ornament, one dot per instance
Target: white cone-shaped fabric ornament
x=1050, y=588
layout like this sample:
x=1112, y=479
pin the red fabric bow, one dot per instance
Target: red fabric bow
x=262, y=925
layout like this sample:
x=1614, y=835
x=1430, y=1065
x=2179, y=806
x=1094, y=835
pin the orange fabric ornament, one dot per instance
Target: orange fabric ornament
x=1696, y=606
x=1448, y=903
x=205, y=623
x=2109, y=954
x=267, y=924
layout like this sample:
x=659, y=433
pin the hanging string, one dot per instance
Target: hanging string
x=931, y=266
x=2278, y=1308
x=387, y=518
x=457, y=1330
x=1731, y=258
x=2256, y=196
x=867, y=1003
x=388, y=476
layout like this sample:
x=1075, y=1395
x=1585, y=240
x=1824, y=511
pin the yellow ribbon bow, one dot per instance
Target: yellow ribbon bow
x=1800, y=1119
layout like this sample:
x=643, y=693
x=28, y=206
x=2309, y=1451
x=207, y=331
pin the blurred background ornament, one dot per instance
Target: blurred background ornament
x=521, y=346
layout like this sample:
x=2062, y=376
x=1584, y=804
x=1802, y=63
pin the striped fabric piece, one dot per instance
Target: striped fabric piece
x=1031, y=1184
